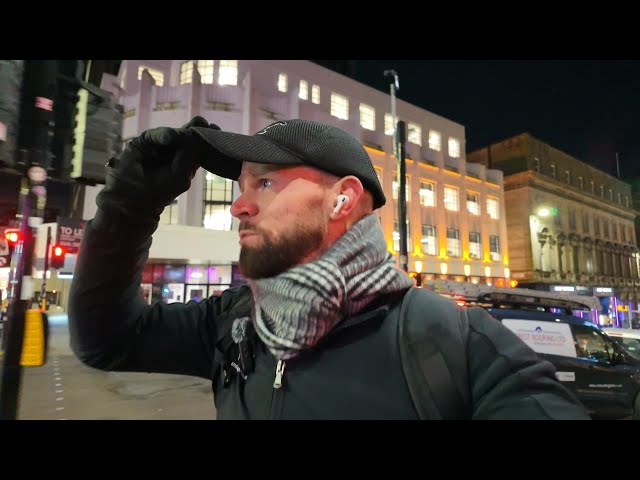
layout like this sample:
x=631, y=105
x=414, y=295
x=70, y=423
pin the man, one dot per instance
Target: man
x=314, y=334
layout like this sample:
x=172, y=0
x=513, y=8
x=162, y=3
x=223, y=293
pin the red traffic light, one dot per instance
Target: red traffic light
x=12, y=235
x=57, y=256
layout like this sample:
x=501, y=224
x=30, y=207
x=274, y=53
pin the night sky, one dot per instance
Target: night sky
x=589, y=109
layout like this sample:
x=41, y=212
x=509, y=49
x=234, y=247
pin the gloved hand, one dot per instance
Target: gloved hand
x=152, y=171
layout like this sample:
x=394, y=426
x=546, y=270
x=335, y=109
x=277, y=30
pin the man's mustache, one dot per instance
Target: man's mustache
x=246, y=226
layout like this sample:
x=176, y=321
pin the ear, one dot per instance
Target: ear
x=348, y=192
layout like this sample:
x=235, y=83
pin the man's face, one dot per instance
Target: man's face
x=283, y=215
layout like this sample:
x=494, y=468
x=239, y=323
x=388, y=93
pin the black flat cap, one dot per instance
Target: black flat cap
x=293, y=142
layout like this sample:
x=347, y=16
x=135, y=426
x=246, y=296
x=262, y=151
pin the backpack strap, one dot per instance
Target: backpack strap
x=433, y=332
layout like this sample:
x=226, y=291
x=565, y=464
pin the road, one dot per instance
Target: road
x=65, y=389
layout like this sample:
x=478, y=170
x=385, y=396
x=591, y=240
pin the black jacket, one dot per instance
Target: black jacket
x=354, y=373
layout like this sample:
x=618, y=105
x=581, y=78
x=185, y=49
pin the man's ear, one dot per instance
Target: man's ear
x=349, y=192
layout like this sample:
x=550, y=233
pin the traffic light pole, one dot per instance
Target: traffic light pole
x=38, y=92
x=43, y=288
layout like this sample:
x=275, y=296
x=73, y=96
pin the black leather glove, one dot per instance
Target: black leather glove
x=152, y=171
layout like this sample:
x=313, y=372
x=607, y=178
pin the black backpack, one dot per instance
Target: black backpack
x=432, y=332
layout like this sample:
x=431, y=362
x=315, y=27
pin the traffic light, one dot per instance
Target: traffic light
x=12, y=236
x=57, y=256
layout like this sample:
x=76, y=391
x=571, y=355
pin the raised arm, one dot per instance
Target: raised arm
x=110, y=327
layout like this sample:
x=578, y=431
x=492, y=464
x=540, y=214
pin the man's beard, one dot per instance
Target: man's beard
x=275, y=256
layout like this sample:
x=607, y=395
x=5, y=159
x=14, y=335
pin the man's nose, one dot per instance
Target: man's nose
x=243, y=206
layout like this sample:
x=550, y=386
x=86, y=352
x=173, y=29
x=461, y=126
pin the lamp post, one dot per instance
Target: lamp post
x=398, y=151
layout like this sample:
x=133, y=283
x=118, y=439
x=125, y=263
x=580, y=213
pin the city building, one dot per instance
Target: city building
x=455, y=210
x=570, y=226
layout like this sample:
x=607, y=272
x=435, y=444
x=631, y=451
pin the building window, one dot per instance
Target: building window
x=217, y=202
x=435, y=140
x=585, y=222
x=596, y=226
x=303, y=93
x=396, y=187
x=339, y=106
x=626, y=201
x=283, y=82
x=156, y=74
x=614, y=231
x=605, y=228
x=536, y=164
x=581, y=183
x=475, y=246
x=228, y=72
x=396, y=236
x=169, y=215
x=619, y=199
x=572, y=219
x=494, y=248
x=623, y=233
x=389, y=128
x=415, y=134
x=429, y=240
x=451, y=199
x=453, y=242
x=567, y=177
x=592, y=187
x=315, y=94
x=186, y=72
x=367, y=117
x=493, y=209
x=602, y=191
x=205, y=69
x=427, y=194
x=553, y=170
x=473, y=203
x=454, y=147
x=610, y=195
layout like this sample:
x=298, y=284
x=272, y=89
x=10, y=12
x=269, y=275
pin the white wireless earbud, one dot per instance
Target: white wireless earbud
x=342, y=200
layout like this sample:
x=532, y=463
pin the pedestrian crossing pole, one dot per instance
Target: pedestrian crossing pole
x=35, y=133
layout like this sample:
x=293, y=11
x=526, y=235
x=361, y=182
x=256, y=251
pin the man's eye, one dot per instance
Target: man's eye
x=265, y=183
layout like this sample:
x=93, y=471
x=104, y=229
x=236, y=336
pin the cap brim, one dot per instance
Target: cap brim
x=231, y=149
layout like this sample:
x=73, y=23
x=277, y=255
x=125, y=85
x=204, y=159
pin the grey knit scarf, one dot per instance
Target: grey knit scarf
x=296, y=308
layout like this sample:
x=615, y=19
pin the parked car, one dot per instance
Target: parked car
x=602, y=374
x=628, y=338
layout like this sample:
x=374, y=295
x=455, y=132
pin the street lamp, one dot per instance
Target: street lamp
x=418, y=267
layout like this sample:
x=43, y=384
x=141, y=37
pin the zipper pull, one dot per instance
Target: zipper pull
x=277, y=383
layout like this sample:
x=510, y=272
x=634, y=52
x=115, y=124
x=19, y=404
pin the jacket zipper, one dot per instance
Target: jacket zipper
x=276, y=397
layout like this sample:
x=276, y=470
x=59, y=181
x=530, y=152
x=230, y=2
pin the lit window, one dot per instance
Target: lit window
x=388, y=124
x=283, y=82
x=453, y=243
x=339, y=106
x=303, y=93
x=553, y=170
x=451, y=199
x=217, y=202
x=186, y=72
x=228, y=72
x=428, y=242
x=415, y=134
x=475, y=245
x=396, y=236
x=427, y=194
x=454, y=147
x=156, y=74
x=407, y=187
x=473, y=203
x=205, y=69
x=435, y=140
x=492, y=208
x=367, y=117
x=592, y=187
x=581, y=183
x=567, y=177
x=315, y=94
x=494, y=248
x=536, y=164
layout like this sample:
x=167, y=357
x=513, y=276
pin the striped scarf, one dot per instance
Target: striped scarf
x=298, y=307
